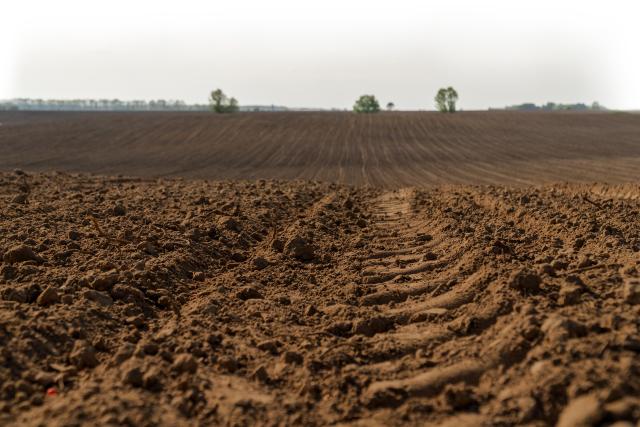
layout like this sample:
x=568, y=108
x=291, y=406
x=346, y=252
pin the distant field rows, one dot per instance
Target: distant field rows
x=390, y=149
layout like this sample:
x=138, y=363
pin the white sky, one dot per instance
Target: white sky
x=325, y=53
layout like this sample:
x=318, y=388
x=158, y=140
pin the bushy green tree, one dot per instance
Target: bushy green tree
x=220, y=103
x=366, y=104
x=446, y=100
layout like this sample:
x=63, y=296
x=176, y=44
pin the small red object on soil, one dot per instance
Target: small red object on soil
x=51, y=391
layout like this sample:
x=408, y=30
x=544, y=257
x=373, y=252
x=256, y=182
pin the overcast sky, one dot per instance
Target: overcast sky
x=325, y=53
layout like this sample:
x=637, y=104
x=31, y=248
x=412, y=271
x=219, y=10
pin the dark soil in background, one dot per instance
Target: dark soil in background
x=387, y=149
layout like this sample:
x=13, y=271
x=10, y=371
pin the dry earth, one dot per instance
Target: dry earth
x=390, y=149
x=186, y=302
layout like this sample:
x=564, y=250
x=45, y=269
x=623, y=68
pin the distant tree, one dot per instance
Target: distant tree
x=366, y=104
x=452, y=99
x=446, y=100
x=441, y=100
x=390, y=106
x=216, y=99
x=220, y=103
x=233, y=106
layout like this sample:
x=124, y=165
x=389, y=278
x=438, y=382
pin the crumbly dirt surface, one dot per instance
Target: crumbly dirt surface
x=180, y=302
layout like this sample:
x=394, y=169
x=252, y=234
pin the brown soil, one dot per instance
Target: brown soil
x=390, y=149
x=186, y=302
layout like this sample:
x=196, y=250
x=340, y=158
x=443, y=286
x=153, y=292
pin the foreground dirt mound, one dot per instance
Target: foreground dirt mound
x=171, y=302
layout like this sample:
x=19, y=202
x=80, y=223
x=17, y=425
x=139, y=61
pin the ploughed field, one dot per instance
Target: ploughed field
x=388, y=149
x=188, y=302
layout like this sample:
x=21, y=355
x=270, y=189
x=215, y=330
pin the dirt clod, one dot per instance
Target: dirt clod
x=271, y=346
x=631, y=291
x=83, y=355
x=570, y=294
x=292, y=357
x=583, y=411
x=261, y=374
x=19, y=199
x=119, y=210
x=248, y=292
x=185, y=363
x=102, y=282
x=152, y=379
x=132, y=374
x=48, y=296
x=21, y=253
x=525, y=281
x=260, y=263
x=558, y=328
x=430, y=256
x=228, y=363
x=228, y=223
x=300, y=248
x=101, y=298
x=372, y=326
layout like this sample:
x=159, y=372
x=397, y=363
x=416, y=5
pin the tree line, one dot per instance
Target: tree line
x=25, y=104
x=552, y=106
x=219, y=102
x=445, y=101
